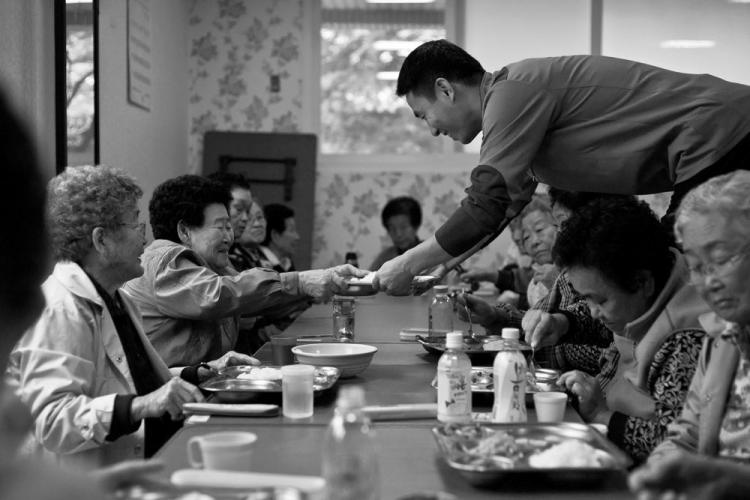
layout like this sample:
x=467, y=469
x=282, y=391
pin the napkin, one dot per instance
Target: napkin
x=205, y=478
x=239, y=410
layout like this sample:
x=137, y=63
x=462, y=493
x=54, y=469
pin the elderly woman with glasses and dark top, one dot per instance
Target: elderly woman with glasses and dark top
x=97, y=390
x=707, y=449
x=190, y=296
x=617, y=256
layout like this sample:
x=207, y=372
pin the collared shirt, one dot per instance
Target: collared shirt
x=591, y=123
x=734, y=435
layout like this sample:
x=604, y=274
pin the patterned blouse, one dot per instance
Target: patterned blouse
x=734, y=435
x=668, y=382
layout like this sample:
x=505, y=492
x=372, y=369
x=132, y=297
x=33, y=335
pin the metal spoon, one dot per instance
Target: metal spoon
x=472, y=338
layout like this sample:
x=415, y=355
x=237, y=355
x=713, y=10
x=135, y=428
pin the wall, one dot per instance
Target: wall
x=26, y=70
x=150, y=145
x=235, y=46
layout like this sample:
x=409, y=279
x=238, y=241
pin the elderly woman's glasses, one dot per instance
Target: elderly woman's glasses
x=719, y=269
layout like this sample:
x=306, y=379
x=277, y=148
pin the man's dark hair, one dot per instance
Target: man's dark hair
x=402, y=205
x=618, y=236
x=231, y=180
x=276, y=216
x=433, y=60
x=183, y=198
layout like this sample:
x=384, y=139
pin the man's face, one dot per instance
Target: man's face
x=446, y=115
x=286, y=242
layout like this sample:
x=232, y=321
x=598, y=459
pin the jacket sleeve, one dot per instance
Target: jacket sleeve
x=185, y=289
x=682, y=434
x=669, y=380
x=55, y=366
x=514, y=122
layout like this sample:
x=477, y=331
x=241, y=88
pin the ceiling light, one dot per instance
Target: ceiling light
x=400, y=1
x=387, y=75
x=687, y=44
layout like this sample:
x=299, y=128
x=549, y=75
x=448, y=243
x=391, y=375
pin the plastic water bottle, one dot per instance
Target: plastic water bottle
x=440, y=313
x=350, y=463
x=509, y=373
x=454, y=381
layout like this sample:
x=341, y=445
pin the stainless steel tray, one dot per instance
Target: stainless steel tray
x=228, y=388
x=481, y=351
x=490, y=453
x=482, y=383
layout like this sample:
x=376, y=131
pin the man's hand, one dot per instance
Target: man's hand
x=542, y=328
x=322, y=284
x=481, y=312
x=169, y=398
x=393, y=277
x=686, y=475
x=591, y=402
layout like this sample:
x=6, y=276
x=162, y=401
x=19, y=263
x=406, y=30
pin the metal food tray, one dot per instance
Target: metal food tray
x=482, y=383
x=226, y=387
x=474, y=348
x=457, y=443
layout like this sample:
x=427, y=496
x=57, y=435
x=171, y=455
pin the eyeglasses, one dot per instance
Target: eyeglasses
x=720, y=269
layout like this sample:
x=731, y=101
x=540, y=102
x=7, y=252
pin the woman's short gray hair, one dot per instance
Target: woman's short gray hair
x=728, y=195
x=83, y=198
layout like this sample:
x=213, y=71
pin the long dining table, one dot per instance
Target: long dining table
x=400, y=373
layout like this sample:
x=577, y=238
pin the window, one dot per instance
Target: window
x=76, y=83
x=362, y=48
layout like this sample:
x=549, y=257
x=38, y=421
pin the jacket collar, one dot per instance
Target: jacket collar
x=76, y=281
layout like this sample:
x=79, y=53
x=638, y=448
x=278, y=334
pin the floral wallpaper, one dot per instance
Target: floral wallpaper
x=234, y=48
x=348, y=205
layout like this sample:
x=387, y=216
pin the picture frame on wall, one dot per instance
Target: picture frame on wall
x=139, y=53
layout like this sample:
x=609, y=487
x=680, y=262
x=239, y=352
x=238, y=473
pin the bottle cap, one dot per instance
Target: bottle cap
x=511, y=333
x=454, y=340
x=351, y=396
x=441, y=288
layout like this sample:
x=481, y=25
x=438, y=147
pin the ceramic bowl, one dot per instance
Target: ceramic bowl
x=351, y=359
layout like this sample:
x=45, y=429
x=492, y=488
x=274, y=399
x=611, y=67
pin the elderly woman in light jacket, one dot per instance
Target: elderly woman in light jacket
x=713, y=225
x=93, y=383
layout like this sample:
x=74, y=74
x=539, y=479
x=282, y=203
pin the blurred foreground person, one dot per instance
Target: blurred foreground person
x=707, y=450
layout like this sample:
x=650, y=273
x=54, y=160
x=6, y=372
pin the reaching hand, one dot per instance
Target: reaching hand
x=232, y=358
x=481, y=311
x=479, y=275
x=169, y=398
x=687, y=475
x=322, y=284
x=393, y=278
x=542, y=328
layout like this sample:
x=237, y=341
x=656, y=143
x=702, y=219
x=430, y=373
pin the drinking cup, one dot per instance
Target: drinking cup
x=297, y=390
x=281, y=349
x=222, y=450
x=343, y=318
x=550, y=406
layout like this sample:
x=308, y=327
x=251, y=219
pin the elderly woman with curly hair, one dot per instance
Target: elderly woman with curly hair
x=190, y=296
x=97, y=390
x=707, y=449
x=618, y=257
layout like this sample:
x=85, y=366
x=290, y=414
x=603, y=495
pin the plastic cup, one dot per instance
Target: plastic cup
x=281, y=349
x=222, y=450
x=343, y=318
x=297, y=390
x=550, y=406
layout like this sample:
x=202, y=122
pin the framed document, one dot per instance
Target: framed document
x=139, y=53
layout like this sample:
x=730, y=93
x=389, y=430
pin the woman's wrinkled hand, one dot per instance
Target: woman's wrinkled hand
x=481, y=311
x=543, y=329
x=591, y=401
x=168, y=398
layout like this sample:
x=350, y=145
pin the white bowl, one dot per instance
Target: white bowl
x=351, y=359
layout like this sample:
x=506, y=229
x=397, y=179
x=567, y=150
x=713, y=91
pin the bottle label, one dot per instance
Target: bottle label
x=454, y=396
x=510, y=388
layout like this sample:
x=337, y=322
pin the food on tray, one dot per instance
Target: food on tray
x=571, y=453
x=261, y=373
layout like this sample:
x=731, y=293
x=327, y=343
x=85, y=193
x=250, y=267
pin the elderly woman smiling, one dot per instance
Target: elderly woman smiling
x=86, y=369
x=189, y=294
x=713, y=225
x=617, y=256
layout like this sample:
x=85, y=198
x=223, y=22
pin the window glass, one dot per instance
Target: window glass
x=79, y=76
